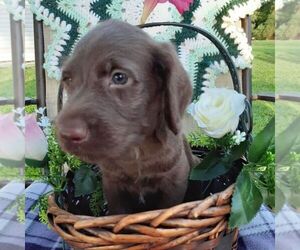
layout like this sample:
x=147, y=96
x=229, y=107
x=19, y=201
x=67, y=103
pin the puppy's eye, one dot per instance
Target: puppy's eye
x=66, y=80
x=119, y=78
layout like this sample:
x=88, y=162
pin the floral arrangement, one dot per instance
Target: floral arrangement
x=217, y=113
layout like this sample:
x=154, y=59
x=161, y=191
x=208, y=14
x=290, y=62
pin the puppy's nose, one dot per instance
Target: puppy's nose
x=74, y=130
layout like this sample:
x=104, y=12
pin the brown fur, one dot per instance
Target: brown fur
x=133, y=130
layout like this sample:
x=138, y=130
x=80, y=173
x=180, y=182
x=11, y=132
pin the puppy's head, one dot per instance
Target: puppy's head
x=122, y=87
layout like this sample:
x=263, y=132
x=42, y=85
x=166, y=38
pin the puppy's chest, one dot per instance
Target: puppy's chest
x=140, y=183
x=144, y=191
x=144, y=170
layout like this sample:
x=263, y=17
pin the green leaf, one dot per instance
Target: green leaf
x=210, y=167
x=37, y=164
x=216, y=164
x=85, y=181
x=238, y=151
x=268, y=198
x=287, y=139
x=246, y=200
x=261, y=142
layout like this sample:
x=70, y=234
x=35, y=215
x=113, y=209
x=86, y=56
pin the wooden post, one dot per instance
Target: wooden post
x=52, y=84
x=247, y=73
x=17, y=48
x=39, y=61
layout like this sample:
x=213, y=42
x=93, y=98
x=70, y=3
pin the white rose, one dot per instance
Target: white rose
x=217, y=111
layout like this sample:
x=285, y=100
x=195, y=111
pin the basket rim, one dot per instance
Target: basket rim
x=181, y=224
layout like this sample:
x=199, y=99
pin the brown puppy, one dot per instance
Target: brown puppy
x=126, y=98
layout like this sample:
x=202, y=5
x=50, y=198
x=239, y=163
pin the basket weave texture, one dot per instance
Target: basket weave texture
x=192, y=225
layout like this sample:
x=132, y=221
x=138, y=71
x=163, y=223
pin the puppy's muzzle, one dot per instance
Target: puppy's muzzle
x=74, y=131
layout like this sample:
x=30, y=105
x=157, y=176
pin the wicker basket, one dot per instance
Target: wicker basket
x=198, y=224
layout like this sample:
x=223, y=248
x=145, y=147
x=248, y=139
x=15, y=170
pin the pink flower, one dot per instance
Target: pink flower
x=181, y=5
x=149, y=5
x=36, y=142
x=12, y=143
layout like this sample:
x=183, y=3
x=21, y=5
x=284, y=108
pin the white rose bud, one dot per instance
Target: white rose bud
x=217, y=111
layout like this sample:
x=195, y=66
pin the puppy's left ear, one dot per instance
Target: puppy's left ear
x=176, y=85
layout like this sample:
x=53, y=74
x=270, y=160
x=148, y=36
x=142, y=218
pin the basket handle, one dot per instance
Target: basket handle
x=246, y=119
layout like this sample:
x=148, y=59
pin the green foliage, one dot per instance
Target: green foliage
x=85, y=181
x=36, y=163
x=57, y=160
x=210, y=167
x=17, y=207
x=9, y=173
x=287, y=181
x=42, y=206
x=264, y=174
x=199, y=140
x=263, y=21
x=288, y=21
x=54, y=172
x=257, y=176
x=217, y=162
x=32, y=174
x=261, y=174
x=73, y=161
x=262, y=142
x=256, y=182
x=288, y=166
x=30, y=109
x=97, y=201
x=246, y=199
x=21, y=209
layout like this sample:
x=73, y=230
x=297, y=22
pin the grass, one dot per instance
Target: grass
x=263, y=81
x=286, y=113
x=287, y=66
x=263, y=74
x=6, y=86
x=9, y=173
x=287, y=81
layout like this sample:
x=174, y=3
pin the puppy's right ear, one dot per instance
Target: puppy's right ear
x=176, y=86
